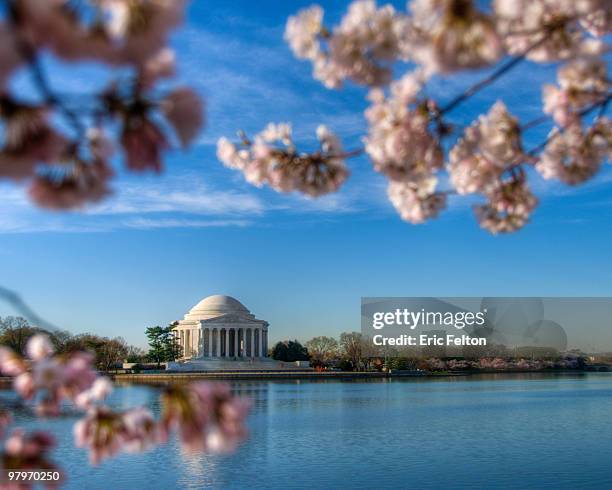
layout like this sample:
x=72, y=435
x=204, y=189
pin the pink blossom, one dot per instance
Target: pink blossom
x=11, y=364
x=399, y=140
x=9, y=54
x=106, y=433
x=416, y=202
x=510, y=204
x=573, y=155
x=582, y=82
x=185, y=111
x=102, y=432
x=50, y=24
x=39, y=347
x=5, y=420
x=30, y=446
x=272, y=159
x=141, y=27
x=23, y=384
x=28, y=136
x=206, y=416
x=73, y=186
x=143, y=143
x=160, y=65
x=361, y=47
x=488, y=147
x=447, y=35
x=554, y=25
x=99, y=390
x=303, y=30
x=141, y=431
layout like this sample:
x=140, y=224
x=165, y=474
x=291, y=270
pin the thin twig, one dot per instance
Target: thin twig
x=38, y=74
x=491, y=78
x=535, y=122
x=602, y=104
x=22, y=307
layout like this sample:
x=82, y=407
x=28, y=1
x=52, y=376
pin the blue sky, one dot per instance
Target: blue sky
x=161, y=243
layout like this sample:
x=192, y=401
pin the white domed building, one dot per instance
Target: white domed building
x=222, y=327
x=220, y=333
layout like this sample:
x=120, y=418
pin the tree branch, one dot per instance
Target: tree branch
x=22, y=307
x=504, y=68
x=38, y=74
x=602, y=104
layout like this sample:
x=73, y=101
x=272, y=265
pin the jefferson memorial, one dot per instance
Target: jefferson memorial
x=220, y=333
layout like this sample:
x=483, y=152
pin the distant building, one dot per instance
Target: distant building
x=221, y=334
x=221, y=327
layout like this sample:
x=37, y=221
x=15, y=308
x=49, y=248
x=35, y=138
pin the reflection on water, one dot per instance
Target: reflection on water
x=527, y=431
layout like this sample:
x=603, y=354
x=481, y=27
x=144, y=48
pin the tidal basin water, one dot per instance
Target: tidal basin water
x=522, y=431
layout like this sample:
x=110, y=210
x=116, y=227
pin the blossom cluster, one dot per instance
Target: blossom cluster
x=272, y=158
x=402, y=145
x=361, y=48
x=406, y=129
x=70, y=167
x=487, y=160
x=559, y=29
x=496, y=363
x=205, y=416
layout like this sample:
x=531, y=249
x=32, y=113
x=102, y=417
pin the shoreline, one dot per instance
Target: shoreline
x=310, y=375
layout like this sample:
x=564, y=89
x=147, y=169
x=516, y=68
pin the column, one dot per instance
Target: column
x=260, y=341
x=236, y=345
x=252, y=342
x=226, y=342
x=210, y=342
x=265, y=343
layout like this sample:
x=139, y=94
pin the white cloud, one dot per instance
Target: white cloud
x=153, y=223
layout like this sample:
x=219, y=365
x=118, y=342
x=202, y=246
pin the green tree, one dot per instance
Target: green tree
x=289, y=351
x=163, y=345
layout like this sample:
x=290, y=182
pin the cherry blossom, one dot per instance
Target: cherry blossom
x=450, y=35
x=71, y=186
x=582, y=82
x=487, y=148
x=183, y=109
x=106, y=433
x=361, y=47
x=50, y=379
x=70, y=169
x=28, y=139
x=573, y=155
x=206, y=416
x=98, y=391
x=273, y=159
x=143, y=143
x=9, y=54
x=416, y=202
x=303, y=30
x=28, y=451
x=547, y=30
x=399, y=141
x=510, y=204
x=39, y=347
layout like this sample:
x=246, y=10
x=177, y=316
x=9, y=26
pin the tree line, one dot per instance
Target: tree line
x=353, y=352
x=108, y=352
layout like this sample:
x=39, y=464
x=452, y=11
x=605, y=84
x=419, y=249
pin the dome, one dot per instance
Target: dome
x=217, y=305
